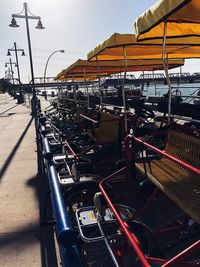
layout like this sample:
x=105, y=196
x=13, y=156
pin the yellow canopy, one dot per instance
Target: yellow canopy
x=85, y=68
x=80, y=79
x=115, y=46
x=78, y=76
x=182, y=16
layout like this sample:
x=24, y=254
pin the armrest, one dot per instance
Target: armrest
x=148, y=158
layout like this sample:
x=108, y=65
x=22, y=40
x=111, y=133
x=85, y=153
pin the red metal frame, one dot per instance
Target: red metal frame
x=131, y=237
x=177, y=261
x=79, y=154
x=157, y=260
x=70, y=148
x=174, y=159
x=89, y=119
x=162, y=152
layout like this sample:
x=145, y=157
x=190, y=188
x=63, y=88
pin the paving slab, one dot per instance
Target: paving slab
x=23, y=242
x=22, y=250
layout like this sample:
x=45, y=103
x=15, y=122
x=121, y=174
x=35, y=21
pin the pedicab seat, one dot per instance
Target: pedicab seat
x=177, y=182
x=108, y=131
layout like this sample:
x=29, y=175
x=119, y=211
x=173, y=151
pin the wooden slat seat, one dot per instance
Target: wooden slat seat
x=180, y=184
x=108, y=131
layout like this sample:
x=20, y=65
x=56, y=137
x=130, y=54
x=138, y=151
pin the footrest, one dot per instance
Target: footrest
x=59, y=158
x=87, y=218
x=65, y=178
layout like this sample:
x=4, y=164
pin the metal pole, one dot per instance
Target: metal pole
x=99, y=80
x=34, y=97
x=45, y=70
x=14, y=93
x=154, y=82
x=166, y=71
x=123, y=90
x=74, y=90
x=9, y=73
x=11, y=70
x=34, y=100
x=17, y=61
x=20, y=99
x=88, y=98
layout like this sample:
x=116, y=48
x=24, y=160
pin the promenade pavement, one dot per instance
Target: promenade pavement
x=23, y=243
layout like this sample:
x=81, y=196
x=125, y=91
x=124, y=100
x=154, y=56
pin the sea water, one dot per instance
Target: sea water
x=186, y=90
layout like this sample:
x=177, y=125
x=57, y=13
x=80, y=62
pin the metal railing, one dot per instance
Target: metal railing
x=66, y=235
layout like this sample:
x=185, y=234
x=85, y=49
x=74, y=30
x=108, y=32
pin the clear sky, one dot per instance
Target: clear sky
x=77, y=26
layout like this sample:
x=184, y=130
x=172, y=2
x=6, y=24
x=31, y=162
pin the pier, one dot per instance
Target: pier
x=23, y=242
x=143, y=79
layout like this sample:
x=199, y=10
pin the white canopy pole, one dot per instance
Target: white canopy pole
x=86, y=88
x=123, y=90
x=74, y=90
x=154, y=82
x=165, y=66
x=101, y=100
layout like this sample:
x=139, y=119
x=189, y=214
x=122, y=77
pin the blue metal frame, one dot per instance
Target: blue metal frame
x=65, y=233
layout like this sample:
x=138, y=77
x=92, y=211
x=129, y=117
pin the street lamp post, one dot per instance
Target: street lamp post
x=8, y=74
x=15, y=49
x=12, y=72
x=8, y=77
x=45, y=70
x=28, y=15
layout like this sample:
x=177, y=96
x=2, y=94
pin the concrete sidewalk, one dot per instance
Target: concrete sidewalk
x=22, y=190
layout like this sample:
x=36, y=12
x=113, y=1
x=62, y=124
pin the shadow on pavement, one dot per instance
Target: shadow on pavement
x=8, y=109
x=26, y=236
x=41, y=186
x=14, y=150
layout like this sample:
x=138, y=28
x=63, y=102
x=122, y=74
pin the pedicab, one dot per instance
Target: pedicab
x=183, y=170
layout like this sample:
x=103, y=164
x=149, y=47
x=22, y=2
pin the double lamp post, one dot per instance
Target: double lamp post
x=15, y=49
x=28, y=15
x=12, y=72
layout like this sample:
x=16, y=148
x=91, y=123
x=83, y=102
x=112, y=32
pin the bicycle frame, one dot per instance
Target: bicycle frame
x=145, y=260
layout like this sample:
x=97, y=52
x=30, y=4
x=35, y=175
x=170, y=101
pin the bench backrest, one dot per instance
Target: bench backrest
x=184, y=147
x=108, y=131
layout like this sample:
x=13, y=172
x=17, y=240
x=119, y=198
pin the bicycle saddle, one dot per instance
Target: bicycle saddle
x=100, y=204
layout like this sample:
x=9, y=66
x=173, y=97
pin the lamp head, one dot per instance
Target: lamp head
x=62, y=51
x=6, y=65
x=39, y=25
x=8, y=54
x=23, y=53
x=14, y=23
